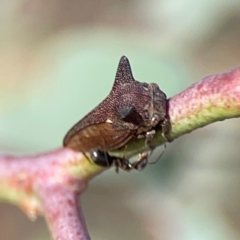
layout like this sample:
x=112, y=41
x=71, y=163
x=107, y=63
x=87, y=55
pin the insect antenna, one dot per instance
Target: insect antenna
x=159, y=156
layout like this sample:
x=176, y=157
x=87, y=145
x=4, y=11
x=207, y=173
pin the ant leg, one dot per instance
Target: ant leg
x=166, y=127
x=159, y=156
x=142, y=161
x=149, y=137
x=122, y=163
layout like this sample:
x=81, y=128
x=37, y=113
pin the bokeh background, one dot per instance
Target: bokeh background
x=58, y=60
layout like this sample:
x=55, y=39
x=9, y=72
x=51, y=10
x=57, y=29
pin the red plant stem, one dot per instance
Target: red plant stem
x=49, y=184
x=63, y=213
x=212, y=99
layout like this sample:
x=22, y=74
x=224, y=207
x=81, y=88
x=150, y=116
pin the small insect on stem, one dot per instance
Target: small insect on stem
x=105, y=160
x=131, y=110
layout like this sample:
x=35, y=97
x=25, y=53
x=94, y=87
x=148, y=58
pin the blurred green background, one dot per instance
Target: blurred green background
x=58, y=60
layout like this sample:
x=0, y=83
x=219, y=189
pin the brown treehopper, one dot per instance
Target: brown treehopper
x=132, y=109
